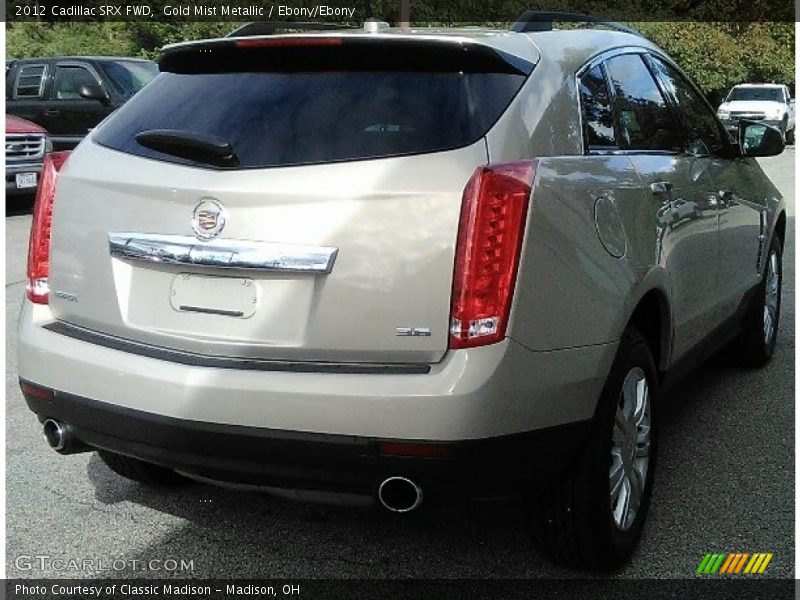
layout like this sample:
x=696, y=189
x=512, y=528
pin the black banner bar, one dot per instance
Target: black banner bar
x=429, y=12
x=703, y=587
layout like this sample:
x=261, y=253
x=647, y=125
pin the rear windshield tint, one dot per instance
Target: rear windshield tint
x=293, y=118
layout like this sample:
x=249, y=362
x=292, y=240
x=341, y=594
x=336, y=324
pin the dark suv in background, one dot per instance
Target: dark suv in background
x=69, y=96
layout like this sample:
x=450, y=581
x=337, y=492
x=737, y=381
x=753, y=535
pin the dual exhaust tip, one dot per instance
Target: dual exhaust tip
x=396, y=494
x=399, y=495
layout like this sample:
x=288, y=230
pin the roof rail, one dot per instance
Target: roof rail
x=263, y=28
x=535, y=20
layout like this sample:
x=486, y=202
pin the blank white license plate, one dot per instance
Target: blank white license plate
x=225, y=296
x=26, y=180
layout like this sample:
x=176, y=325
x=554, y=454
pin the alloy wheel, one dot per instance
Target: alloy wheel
x=630, y=449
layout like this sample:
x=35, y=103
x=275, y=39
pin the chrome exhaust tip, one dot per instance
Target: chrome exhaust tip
x=399, y=495
x=55, y=434
x=60, y=438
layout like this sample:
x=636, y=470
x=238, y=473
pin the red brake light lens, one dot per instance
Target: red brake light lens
x=38, y=289
x=493, y=213
x=289, y=42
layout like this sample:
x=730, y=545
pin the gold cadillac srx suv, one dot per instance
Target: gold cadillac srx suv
x=402, y=264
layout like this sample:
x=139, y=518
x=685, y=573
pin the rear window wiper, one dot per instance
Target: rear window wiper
x=198, y=147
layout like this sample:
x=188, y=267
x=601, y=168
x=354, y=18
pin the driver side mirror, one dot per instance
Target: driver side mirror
x=94, y=92
x=757, y=139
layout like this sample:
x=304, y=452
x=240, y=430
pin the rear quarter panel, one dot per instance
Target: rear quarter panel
x=570, y=290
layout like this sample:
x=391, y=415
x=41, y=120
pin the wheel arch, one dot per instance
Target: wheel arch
x=651, y=314
x=780, y=228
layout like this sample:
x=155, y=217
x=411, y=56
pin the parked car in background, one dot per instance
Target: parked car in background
x=26, y=145
x=769, y=103
x=403, y=265
x=69, y=96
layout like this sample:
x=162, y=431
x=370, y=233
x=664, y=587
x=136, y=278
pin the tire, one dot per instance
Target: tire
x=755, y=345
x=140, y=471
x=790, y=137
x=577, y=522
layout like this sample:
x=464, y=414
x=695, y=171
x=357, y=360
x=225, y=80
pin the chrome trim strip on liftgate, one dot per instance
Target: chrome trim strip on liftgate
x=226, y=254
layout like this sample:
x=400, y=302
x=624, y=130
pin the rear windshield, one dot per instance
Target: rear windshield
x=279, y=118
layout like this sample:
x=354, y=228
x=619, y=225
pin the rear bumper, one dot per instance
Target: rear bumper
x=506, y=413
x=476, y=393
x=313, y=461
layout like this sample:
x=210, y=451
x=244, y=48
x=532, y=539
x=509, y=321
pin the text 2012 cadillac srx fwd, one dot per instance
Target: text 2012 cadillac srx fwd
x=401, y=264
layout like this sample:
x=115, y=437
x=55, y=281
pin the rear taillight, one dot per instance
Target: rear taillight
x=39, y=244
x=493, y=213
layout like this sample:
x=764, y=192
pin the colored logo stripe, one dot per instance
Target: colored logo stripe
x=734, y=563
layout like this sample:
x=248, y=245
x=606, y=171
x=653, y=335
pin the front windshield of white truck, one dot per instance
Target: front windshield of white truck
x=756, y=93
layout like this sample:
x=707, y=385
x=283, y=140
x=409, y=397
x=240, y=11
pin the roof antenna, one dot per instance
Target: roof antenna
x=371, y=24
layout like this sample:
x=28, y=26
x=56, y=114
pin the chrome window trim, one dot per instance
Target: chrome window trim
x=222, y=253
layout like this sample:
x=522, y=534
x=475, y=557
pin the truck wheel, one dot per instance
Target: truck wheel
x=140, y=471
x=593, y=518
x=790, y=137
x=756, y=343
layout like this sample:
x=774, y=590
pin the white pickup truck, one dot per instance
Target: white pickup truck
x=768, y=102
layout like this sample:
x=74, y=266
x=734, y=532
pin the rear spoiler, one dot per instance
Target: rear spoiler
x=331, y=52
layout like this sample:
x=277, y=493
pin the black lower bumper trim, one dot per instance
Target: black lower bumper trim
x=228, y=362
x=314, y=461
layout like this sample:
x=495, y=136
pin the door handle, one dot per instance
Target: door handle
x=661, y=187
x=52, y=111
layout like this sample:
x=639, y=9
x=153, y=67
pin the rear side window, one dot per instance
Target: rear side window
x=30, y=81
x=644, y=120
x=702, y=130
x=278, y=117
x=598, y=119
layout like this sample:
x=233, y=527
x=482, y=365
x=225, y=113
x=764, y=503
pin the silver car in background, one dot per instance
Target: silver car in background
x=402, y=264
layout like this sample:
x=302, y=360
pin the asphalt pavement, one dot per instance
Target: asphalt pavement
x=725, y=483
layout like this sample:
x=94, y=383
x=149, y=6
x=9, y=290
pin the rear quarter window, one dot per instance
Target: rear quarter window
x=598, y=118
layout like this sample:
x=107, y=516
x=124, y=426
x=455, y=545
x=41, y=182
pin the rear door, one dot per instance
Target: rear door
x=68, y=115
x=677, y=188
x=327, y=231
x=737, y=193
